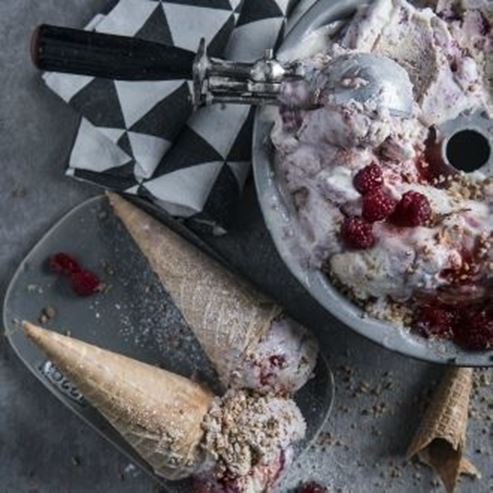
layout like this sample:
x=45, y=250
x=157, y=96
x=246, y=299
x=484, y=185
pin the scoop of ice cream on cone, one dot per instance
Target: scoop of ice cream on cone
x=159, y=413
x=250, y=439
x=237, y=327
x=281, y=362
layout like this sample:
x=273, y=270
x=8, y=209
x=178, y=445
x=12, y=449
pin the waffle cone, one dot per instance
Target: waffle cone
x=440, y=438
x=226, y=315
x=157, y=412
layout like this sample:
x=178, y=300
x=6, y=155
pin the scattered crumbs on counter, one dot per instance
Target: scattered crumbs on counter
x=19, y=192
x=34, y=288
x=47, y=314
x=108, y=269
x=75, y=460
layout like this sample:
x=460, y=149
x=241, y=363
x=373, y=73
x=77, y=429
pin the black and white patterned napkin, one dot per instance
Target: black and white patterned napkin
x=142, y=138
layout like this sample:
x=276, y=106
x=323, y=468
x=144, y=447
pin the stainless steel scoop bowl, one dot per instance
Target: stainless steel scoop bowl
x=280, y=220
x=383, y=81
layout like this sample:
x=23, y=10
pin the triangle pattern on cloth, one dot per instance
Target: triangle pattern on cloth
x=241, y=150
x=114, y=134
x=190, y=150
x=133, y=190
x=147, y=151
x=236, y=5
x=218, y=43
x=219, y=125
x=66, y=85
x=167, y=117
x=127, y=17
x=98, y=102
x=93, y=151
x=118, y=179
x=172, y=209
x=248, y=41
x=156, y=28
x=257, y=10
x=286, y=5
x=124, y=143
x=139, y=97
x=240, y=170
x=187, y=28
x=222, y=199
x=188, y=187
x=211, y=4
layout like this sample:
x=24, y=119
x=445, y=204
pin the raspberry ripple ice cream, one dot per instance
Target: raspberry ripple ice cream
x=405, y=235
x=249, y=441
x=281, y=362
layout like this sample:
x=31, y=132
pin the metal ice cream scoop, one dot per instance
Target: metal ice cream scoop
x=76, y=51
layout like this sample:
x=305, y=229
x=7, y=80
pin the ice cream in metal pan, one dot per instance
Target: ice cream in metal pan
x=394, y=210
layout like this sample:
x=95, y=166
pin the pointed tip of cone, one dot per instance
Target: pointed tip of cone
x=31, y=330
x=119, y=204
x=113, y=198
x=43, y=338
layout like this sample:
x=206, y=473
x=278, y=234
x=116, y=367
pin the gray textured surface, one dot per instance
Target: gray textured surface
x=43, y=448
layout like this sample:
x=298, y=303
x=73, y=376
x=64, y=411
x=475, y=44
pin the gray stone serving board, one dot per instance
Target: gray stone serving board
x=133, y=316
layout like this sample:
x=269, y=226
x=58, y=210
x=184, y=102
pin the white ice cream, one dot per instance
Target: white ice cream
x=281, y=362
x=449, y=62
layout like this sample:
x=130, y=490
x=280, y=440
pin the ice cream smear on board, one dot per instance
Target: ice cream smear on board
x=239, y=442
x=249, y=340
x=402, y=232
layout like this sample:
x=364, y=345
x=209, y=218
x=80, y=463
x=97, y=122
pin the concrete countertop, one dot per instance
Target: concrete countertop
x=45, y=449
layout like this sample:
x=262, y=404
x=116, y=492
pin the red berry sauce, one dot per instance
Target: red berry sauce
x=470, y=326
x=312, y=487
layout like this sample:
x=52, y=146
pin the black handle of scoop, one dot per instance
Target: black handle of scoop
x=74, y=51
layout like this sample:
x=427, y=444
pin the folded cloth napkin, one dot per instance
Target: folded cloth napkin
x=141, y=138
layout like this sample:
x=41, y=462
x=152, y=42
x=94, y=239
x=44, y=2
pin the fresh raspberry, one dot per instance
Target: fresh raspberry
x=377, y=205
x=413, y=209
x=84, y=283
x=368, y=179
x=435, y=322
x=62, y=263
x=312, y=487
x=476, y=330
x=357, y=233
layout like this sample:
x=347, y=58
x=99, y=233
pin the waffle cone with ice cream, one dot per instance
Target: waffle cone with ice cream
x=159, y=413
x=440, y=439
x=226, y=315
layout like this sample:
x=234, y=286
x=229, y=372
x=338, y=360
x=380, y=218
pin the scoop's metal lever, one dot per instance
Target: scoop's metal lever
x=76, y=51
x=217, y=80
